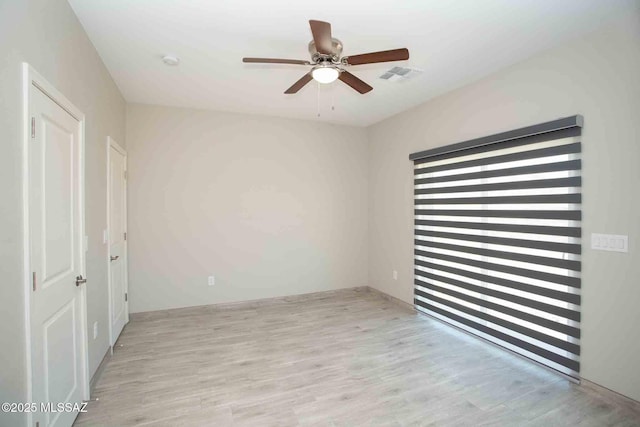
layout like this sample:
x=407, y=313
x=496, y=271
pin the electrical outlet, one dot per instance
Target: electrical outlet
x=95, y=330
x=395, y=274
x=212, y=280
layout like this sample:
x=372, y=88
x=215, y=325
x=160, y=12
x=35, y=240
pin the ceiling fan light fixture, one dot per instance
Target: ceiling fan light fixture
x=325, y=74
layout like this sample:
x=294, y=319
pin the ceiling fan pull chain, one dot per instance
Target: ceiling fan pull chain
x=318, y=103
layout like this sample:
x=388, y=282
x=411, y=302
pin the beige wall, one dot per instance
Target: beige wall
x=270, y=206
x=47, y=35
x=598, y=77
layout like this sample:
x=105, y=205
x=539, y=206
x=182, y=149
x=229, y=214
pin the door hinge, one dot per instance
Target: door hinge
x=34, y=280
x=126, y=296
x=33, y=127
x=125, y=235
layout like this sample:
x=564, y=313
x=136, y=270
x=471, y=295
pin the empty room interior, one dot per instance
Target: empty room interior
x=243, y=213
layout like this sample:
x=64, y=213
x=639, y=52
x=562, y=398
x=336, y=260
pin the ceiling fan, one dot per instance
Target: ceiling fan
x=326, y=61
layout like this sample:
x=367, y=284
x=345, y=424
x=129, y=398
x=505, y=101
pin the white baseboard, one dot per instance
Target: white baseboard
x=244, y=304
x=101, y=367
x=611, y=395
x=392, y=299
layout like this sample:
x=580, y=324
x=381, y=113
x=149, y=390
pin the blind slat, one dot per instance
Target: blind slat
x=523, y=170
x=571, y=248
x=505, y=200
x=566, y=215
x=511, y=228
x=574, y=181
x=514, y=256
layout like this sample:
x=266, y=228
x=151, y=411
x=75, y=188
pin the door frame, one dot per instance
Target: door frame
x=32, y=80
x=111, y=143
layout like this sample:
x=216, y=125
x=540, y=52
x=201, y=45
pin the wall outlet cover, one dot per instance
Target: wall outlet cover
x=610, y=242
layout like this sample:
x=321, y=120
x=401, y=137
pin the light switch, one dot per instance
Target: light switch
x=610, y=242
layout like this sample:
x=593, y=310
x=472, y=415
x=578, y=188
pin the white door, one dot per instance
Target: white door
x=55, y=228
x=117, y=239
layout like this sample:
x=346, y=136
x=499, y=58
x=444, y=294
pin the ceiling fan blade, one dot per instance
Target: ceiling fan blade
x=299, y=84
x=322, y=36
x=354, y=82
x=275, y=61
x=373, y=57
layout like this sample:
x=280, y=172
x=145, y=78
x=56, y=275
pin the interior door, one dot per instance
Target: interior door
x=56, y=244
x=117, y=240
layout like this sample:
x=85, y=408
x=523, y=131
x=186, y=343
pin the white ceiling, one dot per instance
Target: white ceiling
x=452, y=42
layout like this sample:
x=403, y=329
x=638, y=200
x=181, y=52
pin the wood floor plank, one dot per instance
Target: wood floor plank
x=345, y=358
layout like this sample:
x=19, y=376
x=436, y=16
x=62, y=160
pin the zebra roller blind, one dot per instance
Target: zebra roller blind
x=498, y=239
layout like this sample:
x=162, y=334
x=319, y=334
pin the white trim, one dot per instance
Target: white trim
x=118, y=147
x=393, y=299
x=616, y=397
x=31, y=78
x=111, y=143
x=26, y=127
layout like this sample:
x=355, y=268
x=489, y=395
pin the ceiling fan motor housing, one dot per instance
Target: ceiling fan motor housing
x=336, y=47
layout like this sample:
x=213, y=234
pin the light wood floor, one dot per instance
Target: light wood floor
x=340, y=359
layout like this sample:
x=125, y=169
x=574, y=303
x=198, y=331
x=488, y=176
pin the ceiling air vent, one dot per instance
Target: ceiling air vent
x=400, y=73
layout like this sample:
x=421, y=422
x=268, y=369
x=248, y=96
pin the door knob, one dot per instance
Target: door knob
x=113, y=258
x=80, y=280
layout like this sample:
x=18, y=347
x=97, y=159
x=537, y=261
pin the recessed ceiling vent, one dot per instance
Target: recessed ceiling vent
x=400, y=73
